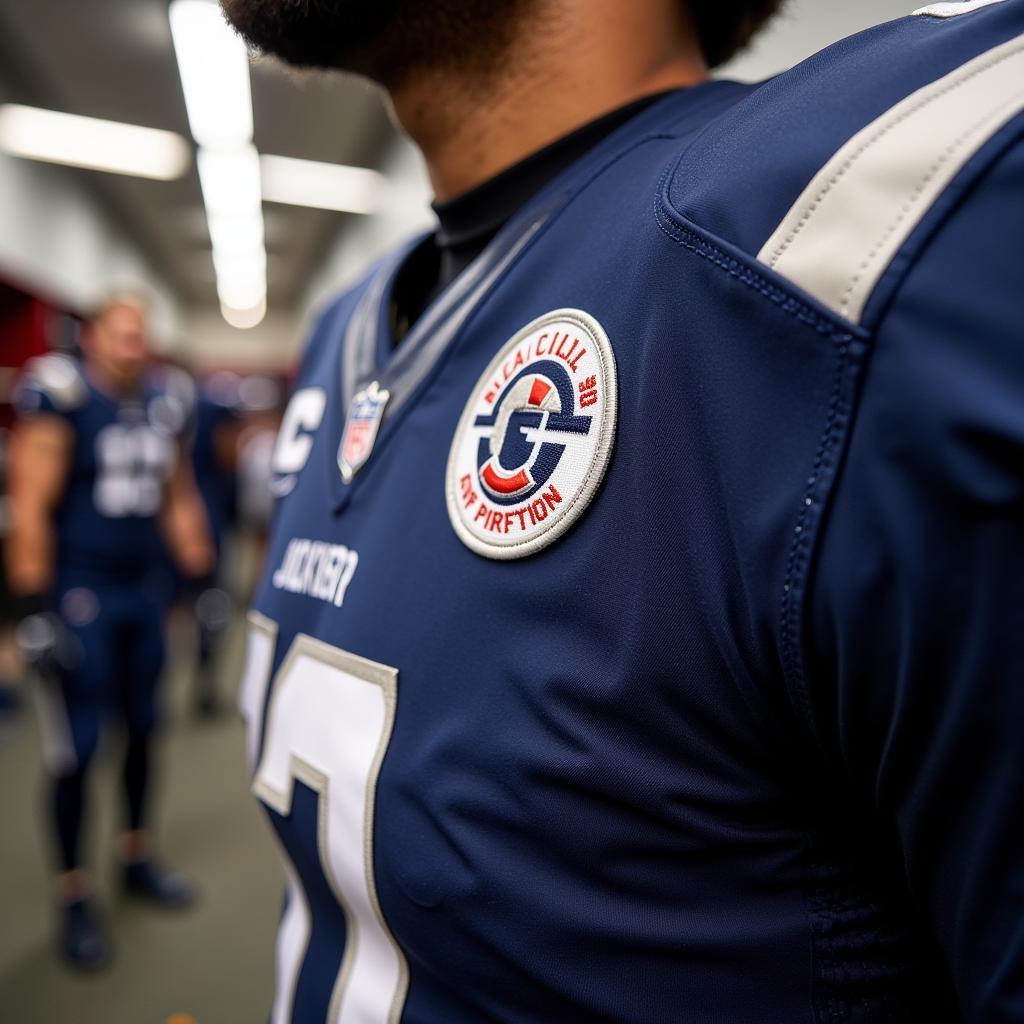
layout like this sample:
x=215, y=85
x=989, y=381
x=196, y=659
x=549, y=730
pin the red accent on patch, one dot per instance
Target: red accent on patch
x=356, y=445
x=504, y=484
x=541, y=389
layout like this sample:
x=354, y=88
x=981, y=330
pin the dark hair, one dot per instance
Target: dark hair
x=725, y=27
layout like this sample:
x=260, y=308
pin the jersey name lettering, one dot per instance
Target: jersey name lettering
x=316, y=569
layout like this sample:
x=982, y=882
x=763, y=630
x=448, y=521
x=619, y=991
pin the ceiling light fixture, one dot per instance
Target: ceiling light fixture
x=236, y=233
x=241, y=294
x=230, y=182
x=214, y=69
x=89, y=142
x=323, y=186
x=244, y=319
x=231, y=191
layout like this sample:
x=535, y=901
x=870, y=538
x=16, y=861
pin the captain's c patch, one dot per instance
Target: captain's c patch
x=535, y=438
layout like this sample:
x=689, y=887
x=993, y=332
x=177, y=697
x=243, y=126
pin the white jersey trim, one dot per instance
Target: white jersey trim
x=955, y=9
x=856, y=214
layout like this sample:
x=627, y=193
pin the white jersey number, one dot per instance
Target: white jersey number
x=132, y=467
x=328, y=725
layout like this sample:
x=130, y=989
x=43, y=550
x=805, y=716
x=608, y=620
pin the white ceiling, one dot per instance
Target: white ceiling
x=114, y=59
x=806, y=26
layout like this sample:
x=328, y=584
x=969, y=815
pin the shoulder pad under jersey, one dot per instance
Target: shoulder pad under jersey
x=56, y=376
x=829, y=175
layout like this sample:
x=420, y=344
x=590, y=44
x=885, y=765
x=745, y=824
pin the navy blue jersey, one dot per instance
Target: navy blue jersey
x=214, y=482
x=124, y=450
x=642, y=639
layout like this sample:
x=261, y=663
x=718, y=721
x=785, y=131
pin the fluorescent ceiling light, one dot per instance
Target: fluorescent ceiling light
x=320, y=185
x=244, y=318
x=231, y=182
x=236, y=295
x=242, y=267
x=234, y=213
x=238, y=233
x=89, y=142
x=214, y=69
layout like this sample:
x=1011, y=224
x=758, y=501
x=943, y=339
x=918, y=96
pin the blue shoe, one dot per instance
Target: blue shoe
x=82, y=941
x=147, y=880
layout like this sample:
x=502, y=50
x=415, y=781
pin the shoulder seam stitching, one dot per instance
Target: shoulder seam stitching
x=814, y=498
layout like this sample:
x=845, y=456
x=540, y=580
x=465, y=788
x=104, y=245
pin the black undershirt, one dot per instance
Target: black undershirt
x=467, y=223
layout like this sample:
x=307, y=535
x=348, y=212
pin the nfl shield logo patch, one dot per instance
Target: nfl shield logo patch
x=364, y=418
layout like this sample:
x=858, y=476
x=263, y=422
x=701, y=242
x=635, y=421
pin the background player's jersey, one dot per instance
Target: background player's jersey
x=641, y=638
x=124, y=451
x=214, y=481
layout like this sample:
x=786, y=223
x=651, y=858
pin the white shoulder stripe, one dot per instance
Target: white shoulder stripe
x=955, y=9
x=855, y=216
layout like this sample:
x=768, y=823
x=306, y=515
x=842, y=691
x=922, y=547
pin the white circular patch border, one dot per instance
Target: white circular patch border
x=577, y=505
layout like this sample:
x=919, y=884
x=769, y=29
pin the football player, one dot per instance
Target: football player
x=96, y=472
x=643, y=632
x=217, y=426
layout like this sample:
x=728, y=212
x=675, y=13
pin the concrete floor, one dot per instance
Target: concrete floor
x=212, y=964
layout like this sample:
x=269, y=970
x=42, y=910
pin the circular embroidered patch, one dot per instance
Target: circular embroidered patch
x=535, y=438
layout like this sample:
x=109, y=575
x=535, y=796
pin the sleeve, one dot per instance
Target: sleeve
x=914, y=644
x=51, y=385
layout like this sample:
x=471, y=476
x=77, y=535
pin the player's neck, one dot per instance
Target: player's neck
x=109, y=382
x=470, y=129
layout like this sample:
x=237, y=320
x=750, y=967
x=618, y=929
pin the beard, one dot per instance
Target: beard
x=386, y=40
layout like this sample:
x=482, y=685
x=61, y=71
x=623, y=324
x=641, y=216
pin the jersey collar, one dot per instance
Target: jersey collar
x=367, y=354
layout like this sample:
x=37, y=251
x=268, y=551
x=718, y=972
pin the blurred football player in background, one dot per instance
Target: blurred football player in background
x=213, y=456
x=98, y=484
x=263, y=401
x=10, y=661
